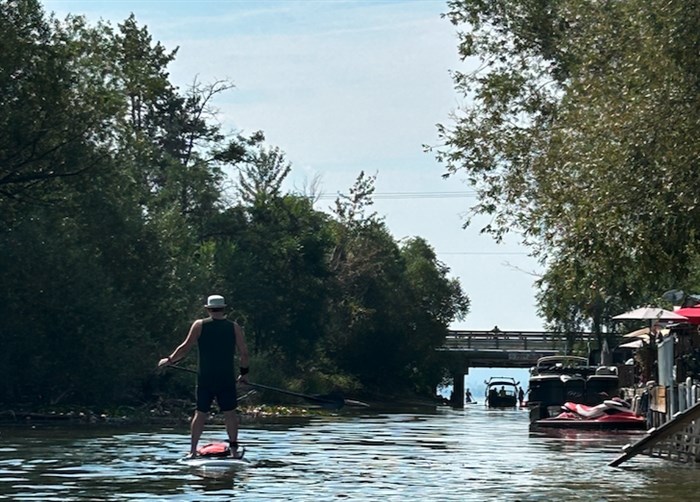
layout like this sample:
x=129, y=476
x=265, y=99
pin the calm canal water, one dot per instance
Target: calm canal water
x=470, y=454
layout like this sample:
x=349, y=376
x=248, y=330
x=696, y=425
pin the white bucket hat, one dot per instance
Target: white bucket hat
x=215, y=302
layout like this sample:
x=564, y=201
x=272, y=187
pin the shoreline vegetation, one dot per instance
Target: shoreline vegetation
x=179, y=412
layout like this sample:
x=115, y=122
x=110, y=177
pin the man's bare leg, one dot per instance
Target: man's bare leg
x=196, y=429
x=231, y=419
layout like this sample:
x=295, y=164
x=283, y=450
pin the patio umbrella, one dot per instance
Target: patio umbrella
x=638, y=333
x=691, y=313
x=651, y=314
x=635, y=344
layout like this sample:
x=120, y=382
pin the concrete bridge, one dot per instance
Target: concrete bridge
x=512, y=349
x=506, y=349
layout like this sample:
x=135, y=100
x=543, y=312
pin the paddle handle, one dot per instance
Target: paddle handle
x=181, y=368
x=334, y=402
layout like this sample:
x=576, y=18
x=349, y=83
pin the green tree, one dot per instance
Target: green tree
x=273, y=250
x=51, y=118
x=392, y=305
x=95, y=241
x=579, y=134
x=435, y=301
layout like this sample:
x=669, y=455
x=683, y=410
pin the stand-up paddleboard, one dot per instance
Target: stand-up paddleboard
x=216, y=455
x=229, y=463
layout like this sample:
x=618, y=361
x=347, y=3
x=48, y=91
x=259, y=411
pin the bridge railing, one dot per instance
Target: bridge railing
x=513, y=340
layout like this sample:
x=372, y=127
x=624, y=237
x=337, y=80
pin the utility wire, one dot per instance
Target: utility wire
x=433, y=195
x=496, y=253
x=410, y=195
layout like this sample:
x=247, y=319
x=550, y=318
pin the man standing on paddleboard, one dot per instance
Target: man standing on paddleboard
x=217, y=341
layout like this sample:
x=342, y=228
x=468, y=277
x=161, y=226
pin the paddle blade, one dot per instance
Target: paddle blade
x=333, y=401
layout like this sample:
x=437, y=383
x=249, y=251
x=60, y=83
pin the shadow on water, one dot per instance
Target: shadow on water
x=583, y=437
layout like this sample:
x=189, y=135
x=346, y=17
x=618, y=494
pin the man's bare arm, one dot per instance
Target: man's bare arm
x=183, y=349
x=241, y=347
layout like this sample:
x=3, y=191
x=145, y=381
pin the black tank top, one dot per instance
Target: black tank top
x=217, y=348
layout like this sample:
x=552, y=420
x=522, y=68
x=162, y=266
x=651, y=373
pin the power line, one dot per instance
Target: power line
x=435, y=195
x=521, y=253
x=410, y=195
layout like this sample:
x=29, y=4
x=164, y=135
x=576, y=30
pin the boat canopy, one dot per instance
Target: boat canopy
x=562, y=359
x=502, y=381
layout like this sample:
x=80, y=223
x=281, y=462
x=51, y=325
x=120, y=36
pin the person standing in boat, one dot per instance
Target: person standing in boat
x=217, y=340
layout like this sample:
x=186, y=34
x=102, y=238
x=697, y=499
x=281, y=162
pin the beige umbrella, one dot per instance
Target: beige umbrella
x=642, y=333
x=650, y=314
x=635, y=344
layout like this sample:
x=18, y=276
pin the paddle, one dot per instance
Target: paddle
x=181, y=368
x=331, y=401
x=240, y=398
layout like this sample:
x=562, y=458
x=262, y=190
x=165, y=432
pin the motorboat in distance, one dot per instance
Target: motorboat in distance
x=501, y=392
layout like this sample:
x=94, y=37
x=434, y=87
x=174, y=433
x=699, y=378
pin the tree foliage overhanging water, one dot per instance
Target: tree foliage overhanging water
x=580, y=133
x=117, y=220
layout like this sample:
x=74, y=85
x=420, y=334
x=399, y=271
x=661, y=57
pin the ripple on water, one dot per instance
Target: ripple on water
x=471, y=454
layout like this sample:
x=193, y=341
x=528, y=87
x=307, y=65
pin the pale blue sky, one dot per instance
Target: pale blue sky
x=341, y=87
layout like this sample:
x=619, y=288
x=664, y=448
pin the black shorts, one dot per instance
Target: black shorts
x=225, y=396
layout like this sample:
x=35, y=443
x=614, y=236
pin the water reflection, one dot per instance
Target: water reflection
x=471, y=454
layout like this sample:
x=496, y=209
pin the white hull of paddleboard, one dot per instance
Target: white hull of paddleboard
x=229, y=463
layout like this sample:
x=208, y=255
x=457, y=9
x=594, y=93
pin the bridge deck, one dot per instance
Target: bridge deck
x=511, y=348
x=513, y=340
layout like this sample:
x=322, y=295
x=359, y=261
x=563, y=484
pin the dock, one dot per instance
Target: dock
x=676, y=438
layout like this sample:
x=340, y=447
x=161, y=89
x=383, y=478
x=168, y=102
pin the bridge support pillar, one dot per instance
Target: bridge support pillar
x=457, y=400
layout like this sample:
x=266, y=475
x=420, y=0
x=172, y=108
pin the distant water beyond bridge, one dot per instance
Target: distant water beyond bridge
x=510, y=349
